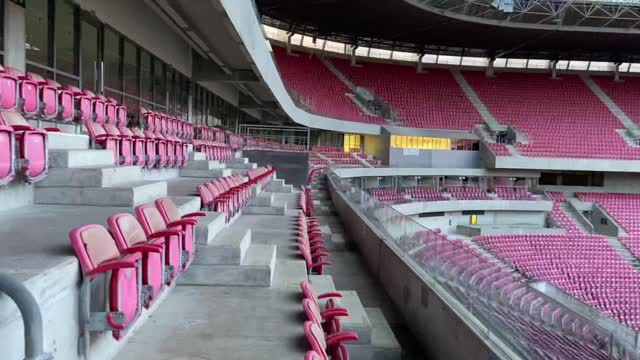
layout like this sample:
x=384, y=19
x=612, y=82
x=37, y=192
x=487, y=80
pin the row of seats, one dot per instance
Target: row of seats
x=328, y=94
x=468, y=192
x=214, y=151
x=513, y=193
x=31, y=157
x=322, y=328
x=560, y=216
x=584, y=266
x=231, y=194
x=387, y=194
x=140, y=255
x=499, y=149
x=428, y=193
x=310, y=238
x=503, y=298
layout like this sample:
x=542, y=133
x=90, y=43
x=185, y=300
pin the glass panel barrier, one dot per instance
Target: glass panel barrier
x=527, y=323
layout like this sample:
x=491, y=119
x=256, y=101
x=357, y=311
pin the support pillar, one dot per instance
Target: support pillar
x=15, y=36
x=554, y=69
x=289, y=43
x=489, y=71
x=353, y=55
x=616, y=72
x=419, y=65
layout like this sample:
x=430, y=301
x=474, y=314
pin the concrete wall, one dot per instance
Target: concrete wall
x=435, y=318
x=293, y=167
x=434, y=158
x=16, y=194
x=608, y=227
x=524, y=206
x=377, y=146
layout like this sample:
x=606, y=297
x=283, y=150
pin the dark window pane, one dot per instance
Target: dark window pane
x=131, y=85
x=66, y=80
x=133, y=108
x=171, y=91
x=40, y=71
x=186, y=86
x=178, y=91
x=89, y=55
x=146, y=77
x=37, y=28
x=114, y=95
x=112, y=59
x=159, y=83
x=66, y=50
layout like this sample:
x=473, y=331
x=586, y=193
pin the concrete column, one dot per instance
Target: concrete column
x=15, y=36
x=616, y=72
x=489, y=71
x=554, y=69
x=289, y=43
x=353, y=55
x=419, y=65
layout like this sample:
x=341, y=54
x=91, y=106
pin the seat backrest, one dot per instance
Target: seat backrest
x=93, y=245
x=316, y=339
x=212, y=189
x=13, y=118
x=312, y=310
x=312, y=355
x=308, y=292
x=168, y=210
x=150, y=219
x=126, y=229
x=205, y=194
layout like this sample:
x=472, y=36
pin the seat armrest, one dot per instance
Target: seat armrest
x=194, y=214
x=320, y=264
x=127, y=262
x=143, y=248
x=330, y=295
x=182, y=222
x=165, y=233
x=333, y=313
x=336, y=339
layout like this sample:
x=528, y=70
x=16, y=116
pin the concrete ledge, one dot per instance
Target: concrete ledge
x=197, y=156
x=66, y=141
x=256, y=270
x=186, y=204
x=228, y=248
x=357, y=320
x=262, y=199
x=241, y=165
x=208, y=174
x=278, y=208
x=473, y=205
x=129, y=194
x=91, y=177
x=209, y=227
x=204, y=165
x=383, y=346
x=80, y=158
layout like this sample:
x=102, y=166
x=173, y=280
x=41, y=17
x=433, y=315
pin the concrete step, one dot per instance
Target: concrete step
x=278, y=208
x=320, y=195
x=208, y=174
x=229, y=247
x=196, y=155
x=80, y=158
x=357, y=320
x=279, y=186
x=66, y=141
x=204, y=165
x=241, y=165
x=126, y=194
x=289, y=273
x=91, y=177
x=262, y=199
x=257, y=269
x=209, y=227
x=186, y=204
x=241, y=160
x=383, y=346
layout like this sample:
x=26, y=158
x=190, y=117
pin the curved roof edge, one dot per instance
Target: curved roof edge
x=257, y=45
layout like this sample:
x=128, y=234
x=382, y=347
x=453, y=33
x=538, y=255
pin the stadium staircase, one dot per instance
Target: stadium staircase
x=627, y=122
x=492, y=123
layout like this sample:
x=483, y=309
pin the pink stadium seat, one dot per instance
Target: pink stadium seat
x=98, y=254
x=130, y=238
x=312, y=355
x=432, y=100
x=327, y=96
x=28, y=92
x=154, y=227
x=125, y=143
x=186, y=224
x=48, y=97
x=33, y=145
x=329, y=347
x=8, y=90
x=107, y=141
x=7, y=154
